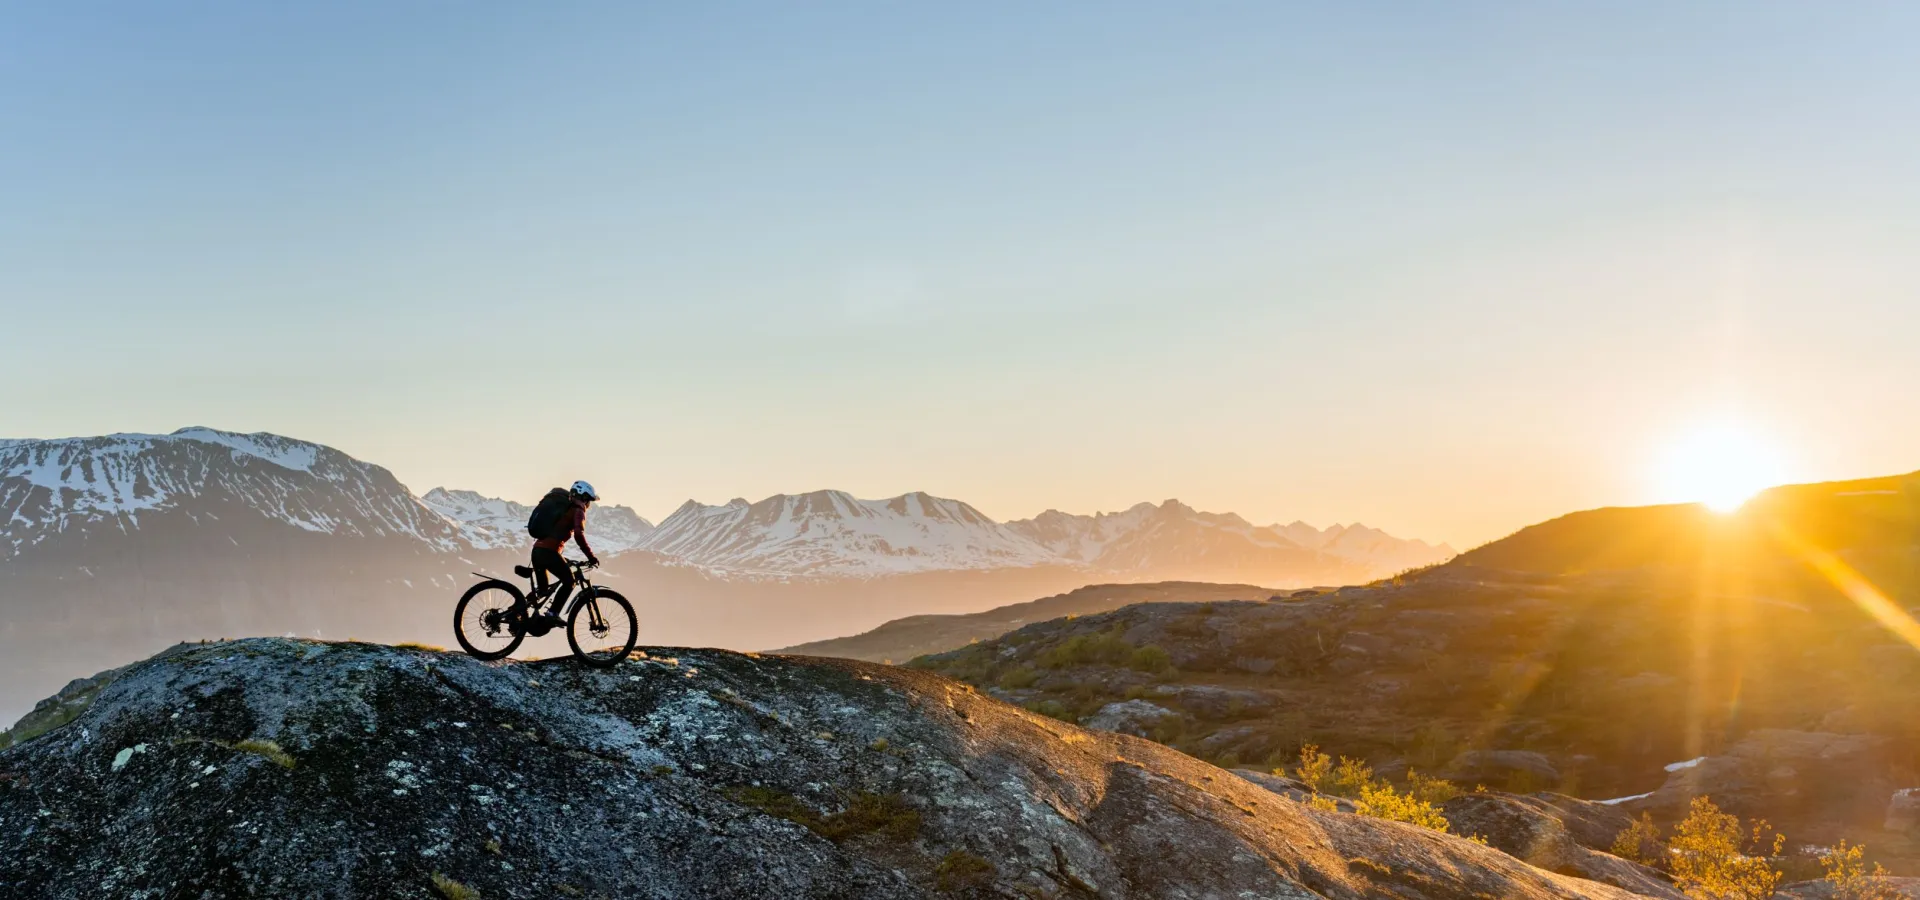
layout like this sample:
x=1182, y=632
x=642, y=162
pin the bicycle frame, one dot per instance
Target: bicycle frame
x=582, y=593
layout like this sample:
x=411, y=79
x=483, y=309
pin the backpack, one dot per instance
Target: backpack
x=545, y=520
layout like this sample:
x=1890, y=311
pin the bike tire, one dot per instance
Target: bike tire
x=460, y=622
x=619, y=615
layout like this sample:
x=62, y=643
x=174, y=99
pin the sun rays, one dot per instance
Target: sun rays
x=1719, y=464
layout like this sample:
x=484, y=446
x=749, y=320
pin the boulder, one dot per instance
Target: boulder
x=1557, y=833
x=1903, y=811
x=1503, y=768
x=1795, y=779
x=1823, y=889
x=284, y=768
x=1219, y=742
x=1134, y=717
x=1209, y=701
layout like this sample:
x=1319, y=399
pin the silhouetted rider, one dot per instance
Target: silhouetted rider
x=546, y=551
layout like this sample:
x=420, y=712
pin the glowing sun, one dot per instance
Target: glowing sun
x=1721, y=466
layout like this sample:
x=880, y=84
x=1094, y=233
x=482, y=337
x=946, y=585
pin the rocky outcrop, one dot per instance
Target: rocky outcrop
x=1778, y=774
x=1903, y=811
x=1134, y=717
x=1214, y=701
x=1555, y=832
x=1824, y=890
x=1293, y=789
x=303, y=769
x=1503, y=768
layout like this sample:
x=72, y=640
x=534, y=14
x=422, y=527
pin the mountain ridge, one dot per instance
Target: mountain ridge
x=109, y=482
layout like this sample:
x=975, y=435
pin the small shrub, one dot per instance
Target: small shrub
x=1640, y=842
x=1712, y=861
x=1323, y=803
x=960, y=871
x=1151, y=659
x=1848, y=875
x=1430, y=790
x=1315, y=769
x=1351, y=777
x=1084, y=649
x=1380, y=800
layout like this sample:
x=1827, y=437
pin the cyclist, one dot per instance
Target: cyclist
x=546, y=551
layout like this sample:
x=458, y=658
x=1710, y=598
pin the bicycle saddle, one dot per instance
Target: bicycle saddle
x=523, y=571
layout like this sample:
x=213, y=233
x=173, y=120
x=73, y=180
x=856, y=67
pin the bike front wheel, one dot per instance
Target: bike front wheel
x=485, y=620
x=602, y=628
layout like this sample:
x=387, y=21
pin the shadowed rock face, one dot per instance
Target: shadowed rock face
x=1555, y=832
x=300, y=769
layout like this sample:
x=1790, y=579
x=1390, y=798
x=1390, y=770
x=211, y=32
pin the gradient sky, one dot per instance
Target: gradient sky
x=1447, y=269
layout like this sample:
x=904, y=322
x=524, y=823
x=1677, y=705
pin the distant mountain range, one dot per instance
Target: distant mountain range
x=490, y=523
x=1176, y=542
x=833, y=534
x=57, y=491
x=121, y=544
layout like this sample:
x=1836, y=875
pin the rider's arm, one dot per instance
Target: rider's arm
x=580, y=537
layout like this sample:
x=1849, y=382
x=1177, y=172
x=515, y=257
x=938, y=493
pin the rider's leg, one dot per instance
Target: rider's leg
x=547, y=561
x=565, y=591
x=539, y=573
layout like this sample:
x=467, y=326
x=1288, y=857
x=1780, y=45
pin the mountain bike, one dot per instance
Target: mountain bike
x=494, y=616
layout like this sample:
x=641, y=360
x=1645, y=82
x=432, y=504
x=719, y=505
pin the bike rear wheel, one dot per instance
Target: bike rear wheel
x=602, y=628
x=485, y=620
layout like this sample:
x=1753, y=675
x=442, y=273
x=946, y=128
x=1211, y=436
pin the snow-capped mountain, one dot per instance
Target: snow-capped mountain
x=831, y=533
x=1173, y=538
x=73, y=490
x=1369, y=545
x=490, y=523
x=204, y=487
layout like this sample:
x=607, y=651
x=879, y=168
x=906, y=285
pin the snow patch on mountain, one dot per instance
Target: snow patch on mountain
x=52, y=487
x=490, y=523
x=1146, y=536
x=832, y=533
x=286, y=453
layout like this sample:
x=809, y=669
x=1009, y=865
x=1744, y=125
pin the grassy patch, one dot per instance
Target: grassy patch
x=1083, y=649
x=1016, y=679
x=268, y=750
x=265, y=749
x=886, y=815
x=453, y=890
x=961, y=871
x=37, y=723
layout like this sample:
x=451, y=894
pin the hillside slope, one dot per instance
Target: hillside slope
x=1873, y=522
x=904, y=639
x=1592, y=685
x=299, y=769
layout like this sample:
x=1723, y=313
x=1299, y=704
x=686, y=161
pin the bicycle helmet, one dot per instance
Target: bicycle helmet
x=584, y=491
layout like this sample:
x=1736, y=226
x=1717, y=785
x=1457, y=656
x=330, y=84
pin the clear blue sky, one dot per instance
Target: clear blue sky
x=1444, y=268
